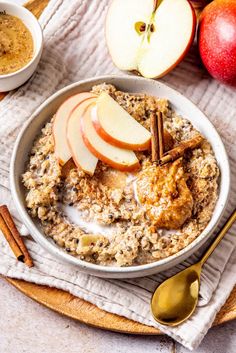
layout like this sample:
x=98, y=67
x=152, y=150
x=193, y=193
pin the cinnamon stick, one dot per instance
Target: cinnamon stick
x=181, y=149
x=13, y=236
x=11, y=241
x=160, y=133
x=155, y=140
x=157, y=131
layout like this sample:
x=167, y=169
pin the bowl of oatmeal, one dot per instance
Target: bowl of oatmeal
x=117, y=221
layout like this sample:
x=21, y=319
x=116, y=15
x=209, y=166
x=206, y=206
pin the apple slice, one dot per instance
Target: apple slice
x=62, y=150
x=81, y=155
x=149, y=36
x=117, y=158
x=117, y=127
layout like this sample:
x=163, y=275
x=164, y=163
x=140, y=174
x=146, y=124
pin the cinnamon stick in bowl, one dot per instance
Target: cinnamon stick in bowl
x=157, y=131
x=181, y=149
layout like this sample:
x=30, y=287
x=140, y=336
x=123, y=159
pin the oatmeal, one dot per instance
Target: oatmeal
x=124, y=218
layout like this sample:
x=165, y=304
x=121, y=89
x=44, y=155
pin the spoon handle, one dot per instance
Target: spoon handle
x=219, y=237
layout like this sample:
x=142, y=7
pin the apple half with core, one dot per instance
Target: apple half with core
x=118, y=158
x=62, y=150
x=149, y=36
x=81, y=155
x=117, y=127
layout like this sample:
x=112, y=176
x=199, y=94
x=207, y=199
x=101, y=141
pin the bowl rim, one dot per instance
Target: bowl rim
x=39, y=40
x=94, y=268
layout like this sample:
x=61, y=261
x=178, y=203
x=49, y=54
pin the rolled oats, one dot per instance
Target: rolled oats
x=109, y=199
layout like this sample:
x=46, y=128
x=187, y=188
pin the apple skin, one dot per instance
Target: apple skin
x=217, y=40
x=104, y=159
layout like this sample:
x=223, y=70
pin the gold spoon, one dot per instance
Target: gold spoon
x=175, y=300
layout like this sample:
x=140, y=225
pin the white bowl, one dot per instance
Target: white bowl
x=15, y=79
x=131, y=84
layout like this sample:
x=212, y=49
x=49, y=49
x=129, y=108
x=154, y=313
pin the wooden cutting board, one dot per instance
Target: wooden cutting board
x=78, y=309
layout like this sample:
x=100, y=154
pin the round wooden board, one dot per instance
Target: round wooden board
x=78, y=309
x=87, y=313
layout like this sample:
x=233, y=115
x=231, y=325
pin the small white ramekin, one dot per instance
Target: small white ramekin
x=15, y=79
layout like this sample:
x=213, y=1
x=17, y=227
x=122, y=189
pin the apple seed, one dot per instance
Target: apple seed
x=140, y=27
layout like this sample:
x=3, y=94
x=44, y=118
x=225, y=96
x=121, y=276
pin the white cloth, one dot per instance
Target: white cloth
x=74, y=49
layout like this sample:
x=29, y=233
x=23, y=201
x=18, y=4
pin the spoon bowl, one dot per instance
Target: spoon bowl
x=176, y=298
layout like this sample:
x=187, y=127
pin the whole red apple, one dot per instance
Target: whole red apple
x=217, y=40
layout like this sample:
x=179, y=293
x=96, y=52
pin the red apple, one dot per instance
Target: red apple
x=217, y=40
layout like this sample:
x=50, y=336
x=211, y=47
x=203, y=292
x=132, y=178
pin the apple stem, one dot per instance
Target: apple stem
x=155, y=5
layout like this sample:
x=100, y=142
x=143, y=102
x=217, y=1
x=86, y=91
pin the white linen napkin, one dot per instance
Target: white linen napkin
x=74, y=49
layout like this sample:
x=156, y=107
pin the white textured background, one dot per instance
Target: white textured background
x=27, y=327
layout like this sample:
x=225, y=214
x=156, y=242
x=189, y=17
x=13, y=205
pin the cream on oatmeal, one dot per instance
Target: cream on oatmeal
x=120, y=218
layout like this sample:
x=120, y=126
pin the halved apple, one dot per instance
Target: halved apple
x=81, y=155
x=117, y=127
x=62, y=149
x=149, y=36
x=117, y=158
